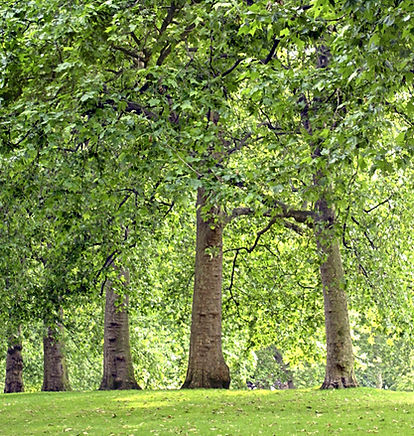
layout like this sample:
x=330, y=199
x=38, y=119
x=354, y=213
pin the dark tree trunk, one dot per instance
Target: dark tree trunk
x=340, y=358
x=14, y=366
x=206, y=365
x=285, y=368
x=55, y=374
x=118, y=371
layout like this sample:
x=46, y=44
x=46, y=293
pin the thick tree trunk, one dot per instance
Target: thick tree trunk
x=55, y=374
x=339, y=371
x=118, y=371
x=206, y=365
x=14, y=366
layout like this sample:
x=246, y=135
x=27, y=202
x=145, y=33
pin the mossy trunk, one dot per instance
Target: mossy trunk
x=14, y=365
x=339, y=371
x=118, y=371
x=206, y=365
x=55, y=373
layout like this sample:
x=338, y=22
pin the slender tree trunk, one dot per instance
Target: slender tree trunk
x=118, y=371
x=14, y=365
x=285, y=368
x=206, y=365
x=55, y=374
x=339, y=371
x=378, y=380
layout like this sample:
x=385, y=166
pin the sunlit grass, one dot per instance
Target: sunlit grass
x=209, y=412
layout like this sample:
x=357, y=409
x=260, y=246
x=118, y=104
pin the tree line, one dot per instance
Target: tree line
x=276, y=124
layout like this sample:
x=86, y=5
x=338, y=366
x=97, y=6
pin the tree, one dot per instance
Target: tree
x=340, y=358
x=315, y=120
x=206, y=367
x=55, y=374
x=147, y=103
x=14, y=365
x=118, y=371
x=59, y=245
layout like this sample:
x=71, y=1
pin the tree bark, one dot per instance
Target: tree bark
x=339, y=371
x=55, y=374
x=379, y=382
x=14, y=366
x=118, y=371
x=206, y=365
x=285, y=368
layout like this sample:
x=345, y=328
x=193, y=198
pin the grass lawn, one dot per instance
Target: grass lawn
x=209, y=412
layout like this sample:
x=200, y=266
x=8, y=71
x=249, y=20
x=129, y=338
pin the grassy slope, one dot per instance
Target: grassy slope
x=345, y=412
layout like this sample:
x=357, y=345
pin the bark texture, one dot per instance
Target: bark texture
x=55, y=374
x=206, y=365
x=339, y=371
x=14, y=366
x=118, y=371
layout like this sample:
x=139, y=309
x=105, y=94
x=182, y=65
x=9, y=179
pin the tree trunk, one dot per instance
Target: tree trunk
x=206, y=365
x=118, y=371
x=55, y=374
x=14, y=366
x=339, y=371
x=379, y=381
x=285, y=368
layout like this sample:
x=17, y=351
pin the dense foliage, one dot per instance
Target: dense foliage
x=113, y=114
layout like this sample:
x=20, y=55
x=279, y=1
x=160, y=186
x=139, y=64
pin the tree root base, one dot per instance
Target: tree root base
x=340, y=383
x=116, y=386
x=206, y=383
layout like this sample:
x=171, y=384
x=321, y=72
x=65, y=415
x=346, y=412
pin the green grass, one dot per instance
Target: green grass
x=209, y=412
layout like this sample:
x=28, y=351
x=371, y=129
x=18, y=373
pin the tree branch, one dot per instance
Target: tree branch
x=293, y=226
x=371, y=243
x=140, y=110
x=168, y=19
x=131, y=53
x=231, y=69
x=109, y=261
x=301, y=216
x=237, y=212
x=378, y=205
x=271, y=52
x=262, y=232
x=166, y=50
